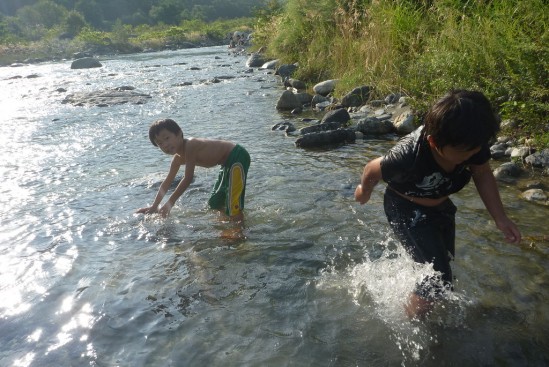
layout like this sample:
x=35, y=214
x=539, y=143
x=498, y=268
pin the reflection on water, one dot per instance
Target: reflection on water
x=309, y=278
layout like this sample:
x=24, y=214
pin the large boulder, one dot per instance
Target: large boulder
x=357, y=97
x=304, y=98
x=339, y=115
x=86, y=63
x=374, y=126
x=325, y=138
x=271, y=65
x=324, y=88
x=508, y=171
x=295, y=83
x=539, y=159
x=404, y=123
x=255, y=60
x=286, y=70
x=288, y=101
x=329, y=126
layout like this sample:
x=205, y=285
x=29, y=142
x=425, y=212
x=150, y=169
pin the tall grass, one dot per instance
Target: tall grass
x=423, y=48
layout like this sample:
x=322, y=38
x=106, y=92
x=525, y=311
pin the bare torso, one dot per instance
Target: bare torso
x=206, y=152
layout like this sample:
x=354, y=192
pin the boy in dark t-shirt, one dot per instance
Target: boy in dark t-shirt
x=422, y=170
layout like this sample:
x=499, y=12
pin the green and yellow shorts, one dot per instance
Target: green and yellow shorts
x=230, y=188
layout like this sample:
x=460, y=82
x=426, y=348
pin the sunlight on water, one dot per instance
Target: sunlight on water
x=311, y=278
x=80, y=322
x=382, y=283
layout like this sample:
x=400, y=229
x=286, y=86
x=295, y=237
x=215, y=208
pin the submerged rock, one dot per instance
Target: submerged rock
x=106, y=98
x=86, y=63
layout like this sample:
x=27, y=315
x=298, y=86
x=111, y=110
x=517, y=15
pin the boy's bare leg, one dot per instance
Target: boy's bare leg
x=417, y=307
x=235, y=230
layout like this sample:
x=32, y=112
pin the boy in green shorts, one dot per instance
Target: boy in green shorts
x=234, y=160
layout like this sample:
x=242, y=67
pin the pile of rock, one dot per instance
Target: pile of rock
x=357, y=116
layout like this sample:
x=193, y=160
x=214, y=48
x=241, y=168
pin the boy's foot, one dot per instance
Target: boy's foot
x=233, y=234
x=417, y=307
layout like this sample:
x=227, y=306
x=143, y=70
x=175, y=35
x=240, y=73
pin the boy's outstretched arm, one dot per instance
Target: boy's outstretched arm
x=181, y=187
x=488, y=190
x=370, y=177
x=174, y=167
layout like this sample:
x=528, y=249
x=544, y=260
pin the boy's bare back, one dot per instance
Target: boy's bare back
x=206, y=152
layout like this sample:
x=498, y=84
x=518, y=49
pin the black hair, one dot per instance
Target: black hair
x=462, y=118
x=162, y=124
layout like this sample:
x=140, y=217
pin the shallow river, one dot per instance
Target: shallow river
x=316, y=279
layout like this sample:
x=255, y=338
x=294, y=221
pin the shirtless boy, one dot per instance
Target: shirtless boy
x=234, y=160
x=422, y=170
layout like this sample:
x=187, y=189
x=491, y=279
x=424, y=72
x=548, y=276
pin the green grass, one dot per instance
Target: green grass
x=423, y=48
x=122, y=38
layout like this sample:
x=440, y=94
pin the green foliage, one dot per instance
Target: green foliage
x=74, y=23
x=103, y=14
x=94, y=37
x=422, y=48
x=92, y=12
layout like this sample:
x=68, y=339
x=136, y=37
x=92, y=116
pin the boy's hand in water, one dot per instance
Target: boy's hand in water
x=165, y=210
x=509, y=229
x=148, y=210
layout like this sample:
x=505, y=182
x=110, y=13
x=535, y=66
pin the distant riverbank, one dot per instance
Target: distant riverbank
x=45, y=51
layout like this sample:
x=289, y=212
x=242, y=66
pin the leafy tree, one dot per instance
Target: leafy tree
x=92, y=12
x=74, y=23
x=166, y=11
x=10, y=7
x=50, y=13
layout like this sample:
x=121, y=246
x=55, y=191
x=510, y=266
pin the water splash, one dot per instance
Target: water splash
x=383, y=283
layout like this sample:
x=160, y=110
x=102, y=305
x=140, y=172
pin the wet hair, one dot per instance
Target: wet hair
x=160, y=125
x=461, y=118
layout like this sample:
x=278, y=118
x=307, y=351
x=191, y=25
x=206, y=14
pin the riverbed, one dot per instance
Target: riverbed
x=311, y=279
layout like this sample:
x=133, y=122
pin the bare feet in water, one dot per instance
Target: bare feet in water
x=418, y=307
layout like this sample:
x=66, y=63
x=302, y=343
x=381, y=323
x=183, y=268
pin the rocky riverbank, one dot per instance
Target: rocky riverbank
x=358, y=116
x=58, y=50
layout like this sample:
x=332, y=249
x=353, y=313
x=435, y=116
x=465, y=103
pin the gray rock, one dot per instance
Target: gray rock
x=498, y=150
x=109, y=97
x=269, y=65
x=506, y=171
x=297, y=84
x=539, y=159
x=324, y=88
x=288, y=101
x=521, y=152
x=86, y=63
x=304, y=98
x=325, y=138
x=329, y=126
x=392, y=98
x=404, y=123
x=317, y=98
x=255, y=60
x=286, y=126
x=535, y=195
x=373, y=126
x=357, y=97
x=340, y=115
x=286, y=70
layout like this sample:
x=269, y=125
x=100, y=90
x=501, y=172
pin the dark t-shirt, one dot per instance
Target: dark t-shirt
x=410, y=168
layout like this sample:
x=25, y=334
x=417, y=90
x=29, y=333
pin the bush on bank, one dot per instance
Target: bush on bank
x=55, y=44
x=422, y=48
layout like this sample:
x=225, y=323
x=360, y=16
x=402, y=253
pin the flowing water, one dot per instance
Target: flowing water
x=315, y=280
